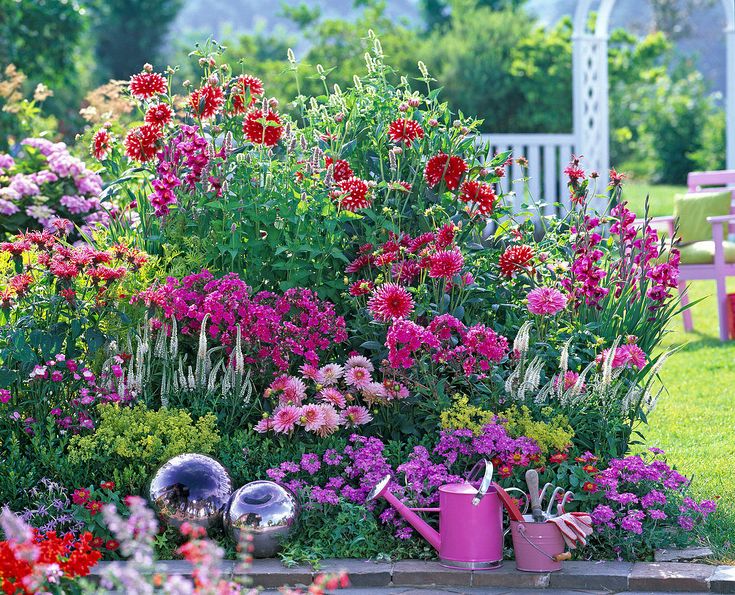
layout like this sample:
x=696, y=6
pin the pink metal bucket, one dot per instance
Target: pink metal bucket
x=537, y=546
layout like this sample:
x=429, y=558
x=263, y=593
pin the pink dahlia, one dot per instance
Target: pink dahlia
x=374, y=392
x=361, y=287
x=445, y=264
x=285, y=419
x=405, y=131
x=444, y=167
x=330, y=374
x=361, y=361
x=515, y=259
x=546, y=301
x=358, y=377
x=311, y=418
x=333, y=396
x=330, y=420
x=147, y=84
x=355, y=415
x=264, y=425
x=479, y=193
x=390, y=301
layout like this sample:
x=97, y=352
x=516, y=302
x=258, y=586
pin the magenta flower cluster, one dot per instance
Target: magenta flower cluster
x=282, y=330
x=641, y=495
x=446, y=340
x=584, y=285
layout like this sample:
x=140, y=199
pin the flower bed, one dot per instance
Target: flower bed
x=312, y=294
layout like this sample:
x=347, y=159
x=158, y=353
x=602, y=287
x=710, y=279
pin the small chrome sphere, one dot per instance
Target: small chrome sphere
x=265, y=510
x=191, y=488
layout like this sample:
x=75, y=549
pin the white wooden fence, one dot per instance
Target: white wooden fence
x=548, y=155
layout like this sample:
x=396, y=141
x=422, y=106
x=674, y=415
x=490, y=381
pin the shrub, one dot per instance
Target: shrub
x=131, y=442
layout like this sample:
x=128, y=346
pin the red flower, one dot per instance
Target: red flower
x=159, y=115
x=109, y=485
x=207, y=101
x=80, y=496
x=141, y=142
x=361, y=262
x=405, y=131
x=354, y=194
x=361, y=287
x=574, y=172
x=443, y=167
x=505, y=471
x=590, y=487
x=342, y=170
x=445, y=236
x=558, y=457
x=480, y=193
x=147, y=84
x=93, y=506
x=244, y=90
x=616, y=179
x=111, y=544
x=390, y=301
x=589, y=469
x=445, y=264
x=515, y=259
x=260, y=129
x=97, y=542
x=101, y=143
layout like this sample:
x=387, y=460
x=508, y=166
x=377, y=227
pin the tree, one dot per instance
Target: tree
x=130, y=33
x=438, y=13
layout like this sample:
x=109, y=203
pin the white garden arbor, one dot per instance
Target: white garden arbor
x=548, y=154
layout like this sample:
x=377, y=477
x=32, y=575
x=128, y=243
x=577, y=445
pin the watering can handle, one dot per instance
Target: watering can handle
x=486, y=480
x=525, y=507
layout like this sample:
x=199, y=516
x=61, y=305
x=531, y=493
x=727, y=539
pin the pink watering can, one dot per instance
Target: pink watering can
x=470, y=532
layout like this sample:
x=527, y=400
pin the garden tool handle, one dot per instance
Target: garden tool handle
x=487, y=480
x=563, y=556
x=552, y=499
x=533, y=494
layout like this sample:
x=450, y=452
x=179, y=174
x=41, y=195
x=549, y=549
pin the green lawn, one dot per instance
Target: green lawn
x=695, y=420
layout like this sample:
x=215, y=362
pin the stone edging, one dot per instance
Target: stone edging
x=604, y=575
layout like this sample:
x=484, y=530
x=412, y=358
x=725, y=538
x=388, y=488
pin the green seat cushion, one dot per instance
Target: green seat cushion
x=693, y=208
x=704, y=252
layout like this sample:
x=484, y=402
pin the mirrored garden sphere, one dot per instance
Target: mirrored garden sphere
x=265, y=510
x=191, y=488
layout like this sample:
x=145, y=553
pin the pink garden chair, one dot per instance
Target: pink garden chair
x=704, y=214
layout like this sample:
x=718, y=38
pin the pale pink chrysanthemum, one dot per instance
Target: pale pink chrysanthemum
x=333, y=396
x=358, y=377
x=293, y=392
x=330, y=420
x=330, y=374
x=264, y=425
x=390, y=301
x=355, y=415
x=285, y=419
x=311, y=418
x=310, y=372
x=359, y=360
x=373, y=392
x=546, y=301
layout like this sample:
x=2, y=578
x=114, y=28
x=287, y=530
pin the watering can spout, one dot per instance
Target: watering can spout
x=381, y=491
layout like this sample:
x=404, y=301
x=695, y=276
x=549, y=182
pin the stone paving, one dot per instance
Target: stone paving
x=414, y=577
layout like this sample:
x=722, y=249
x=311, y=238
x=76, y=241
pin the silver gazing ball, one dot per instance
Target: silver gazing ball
x=191, y=488
x=266, y=511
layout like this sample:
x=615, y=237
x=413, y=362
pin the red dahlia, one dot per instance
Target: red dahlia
x=480, y=193
x=147, y=84
x=207, y=101
x=101, y=144
x=244, y=91
x=515, y=260
x=260, y=129
x=141, y=142
x=159, y=115
x=445, y=264
x=354, y=194
x=444, y=167
x=445, y=236
x=342, y=169
x=390, y=301
x=405, y=131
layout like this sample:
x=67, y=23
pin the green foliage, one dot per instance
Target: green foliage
x=129, y=33
x=130, y=443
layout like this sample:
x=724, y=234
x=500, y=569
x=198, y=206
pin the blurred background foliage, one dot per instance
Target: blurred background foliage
x=493, y=58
